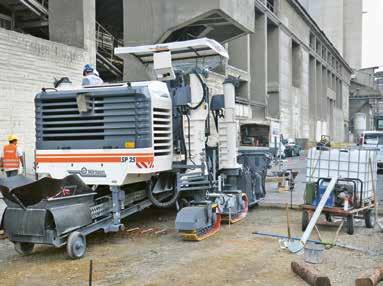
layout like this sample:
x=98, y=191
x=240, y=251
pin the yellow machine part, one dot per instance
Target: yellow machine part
x=194, y=236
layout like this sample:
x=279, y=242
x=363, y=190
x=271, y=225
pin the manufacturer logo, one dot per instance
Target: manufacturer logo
x=84, y=172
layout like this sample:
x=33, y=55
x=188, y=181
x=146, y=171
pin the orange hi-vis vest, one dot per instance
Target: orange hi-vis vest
x=10, y=159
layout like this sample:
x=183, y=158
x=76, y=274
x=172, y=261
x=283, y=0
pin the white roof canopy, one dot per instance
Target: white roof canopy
x=185, y=50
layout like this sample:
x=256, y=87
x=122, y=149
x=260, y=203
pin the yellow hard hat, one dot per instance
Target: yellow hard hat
x=12, y=137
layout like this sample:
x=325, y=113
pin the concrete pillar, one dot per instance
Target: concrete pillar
x=318, y=90
x=325, y=109
x=273, y=55
x=318, y=100
x=273, y=71
x=73, y=22
x=312, y=97
x=353, y=32
x=258, y=61
x=239, y=53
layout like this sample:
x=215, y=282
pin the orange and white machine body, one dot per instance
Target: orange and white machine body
x=120, y=166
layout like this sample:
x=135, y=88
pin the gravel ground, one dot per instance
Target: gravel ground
x=234, y=256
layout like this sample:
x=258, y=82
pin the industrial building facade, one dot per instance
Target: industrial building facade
x=292, y=78
x=341, y=20
x=293, y=81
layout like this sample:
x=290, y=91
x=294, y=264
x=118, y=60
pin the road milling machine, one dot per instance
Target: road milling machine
x=106, y=152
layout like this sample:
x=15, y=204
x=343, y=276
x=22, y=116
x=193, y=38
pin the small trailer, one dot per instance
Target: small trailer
x=353, y=194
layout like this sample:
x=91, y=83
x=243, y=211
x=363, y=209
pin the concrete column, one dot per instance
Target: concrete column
x=318, y=90
x=353, y=32
x=273, y=54
x=325, y=109
x=73, y=22
x=312, y=97
x=273, y=71
x=319, y=102
x=239, y=53
x=258, y=61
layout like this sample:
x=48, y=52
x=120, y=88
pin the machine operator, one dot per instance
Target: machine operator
x=91, y=76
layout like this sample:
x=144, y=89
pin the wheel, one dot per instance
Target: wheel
x=350, y=224
x=305, y=220
x=76, y=245
x=24, y=248
x=162, y=181
x=369, y=218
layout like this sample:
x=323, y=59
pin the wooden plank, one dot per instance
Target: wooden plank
x=370, y=277
x=132, y=229
x=275, y=179
x=309, y=274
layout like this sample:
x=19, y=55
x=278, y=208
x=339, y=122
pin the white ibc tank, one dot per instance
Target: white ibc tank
x=345, y=163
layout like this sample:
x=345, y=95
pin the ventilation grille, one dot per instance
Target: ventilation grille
x=162, y=122
x=110, y=120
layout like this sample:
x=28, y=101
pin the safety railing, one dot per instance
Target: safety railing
x=39, y=7
x=270, y=5
x=105, y=44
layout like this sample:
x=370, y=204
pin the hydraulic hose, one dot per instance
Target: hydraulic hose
x=205, y=92
x=182, y=136
x=205, y=98
x=189, y=140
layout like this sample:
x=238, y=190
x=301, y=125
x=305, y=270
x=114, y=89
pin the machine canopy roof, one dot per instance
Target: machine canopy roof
x=185, y=50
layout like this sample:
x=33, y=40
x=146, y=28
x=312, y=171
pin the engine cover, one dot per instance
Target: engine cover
x=112, y=135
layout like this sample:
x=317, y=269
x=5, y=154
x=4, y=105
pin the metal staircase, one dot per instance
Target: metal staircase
x=108, y=64
x=30, y=16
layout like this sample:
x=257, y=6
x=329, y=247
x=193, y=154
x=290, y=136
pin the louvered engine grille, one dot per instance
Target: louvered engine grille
x=162, y=122
x=109, y=122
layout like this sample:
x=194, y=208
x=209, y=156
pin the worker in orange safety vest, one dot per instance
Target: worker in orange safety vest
x=12, y=157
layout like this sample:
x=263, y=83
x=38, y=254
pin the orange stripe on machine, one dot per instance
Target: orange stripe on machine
x=145, y=162
x=93, y=154
x=86, y=158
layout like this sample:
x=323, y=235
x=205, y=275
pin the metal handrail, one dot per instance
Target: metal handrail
x=105, y=41
x=39, y=7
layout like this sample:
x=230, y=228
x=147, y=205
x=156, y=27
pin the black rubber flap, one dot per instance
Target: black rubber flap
x=21, y=189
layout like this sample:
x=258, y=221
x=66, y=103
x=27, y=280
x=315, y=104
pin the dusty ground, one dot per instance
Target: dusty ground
x=235, y=256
